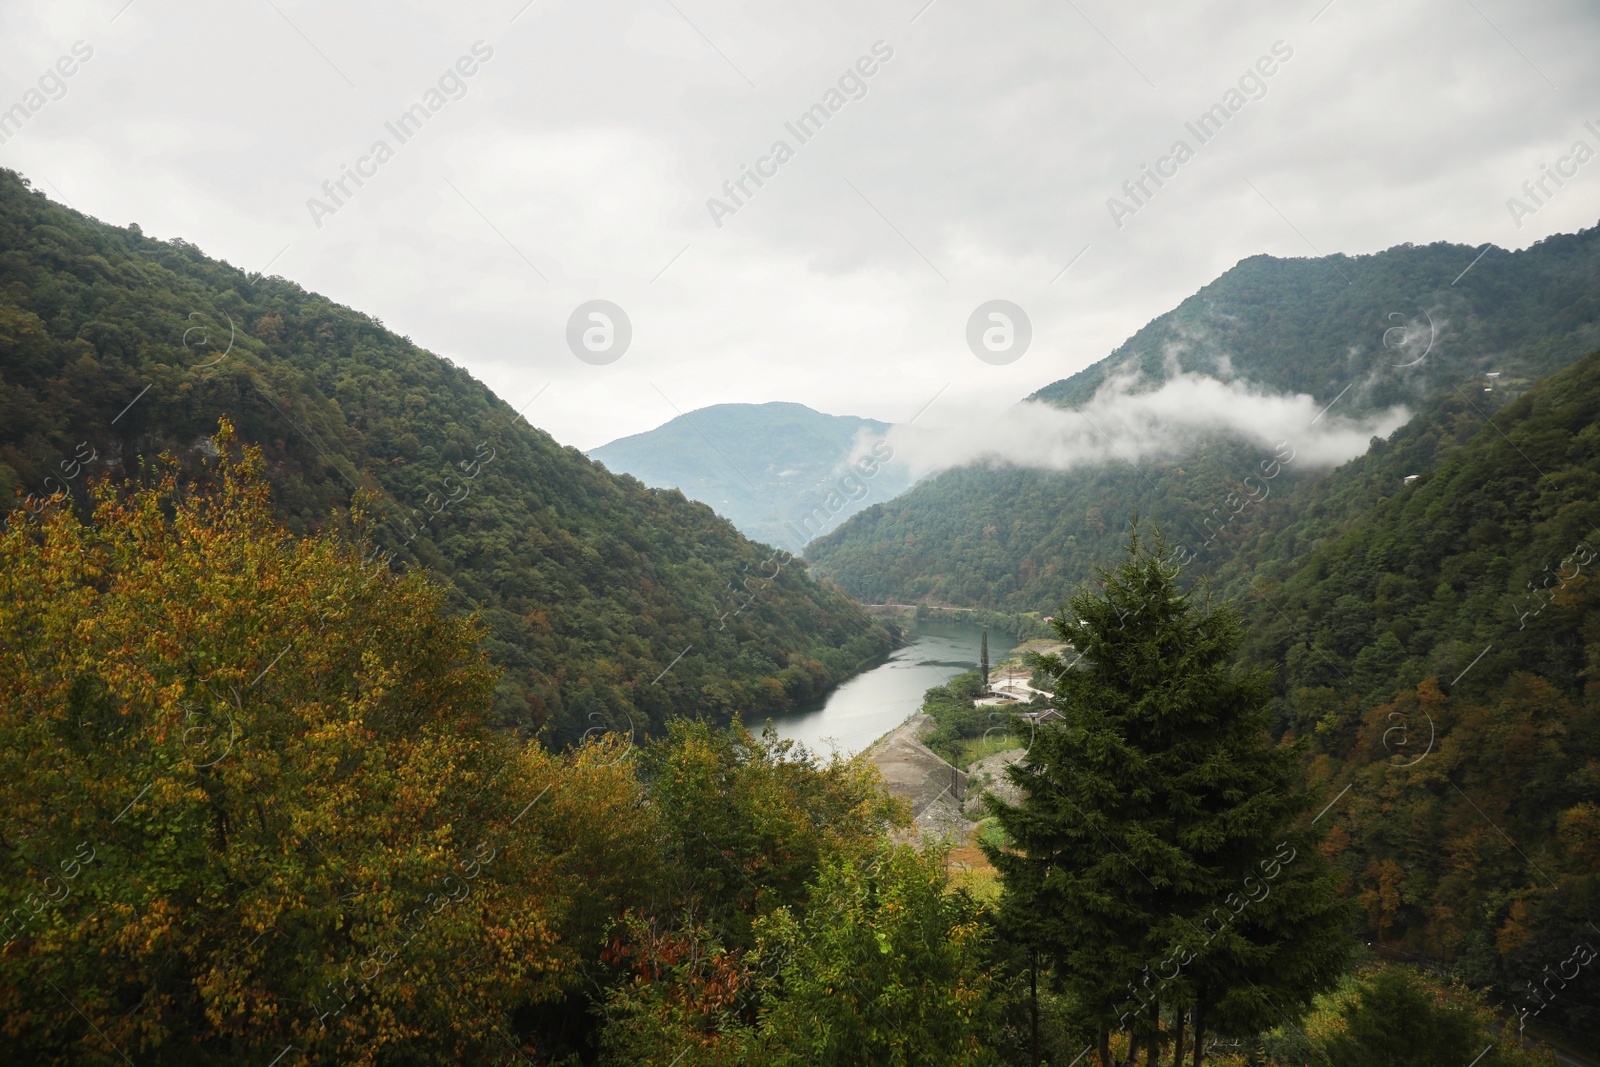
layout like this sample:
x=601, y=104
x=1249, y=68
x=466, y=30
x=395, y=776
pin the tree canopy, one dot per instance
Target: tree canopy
x=253, y=803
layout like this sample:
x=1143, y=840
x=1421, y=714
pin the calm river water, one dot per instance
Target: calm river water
x=853, y=715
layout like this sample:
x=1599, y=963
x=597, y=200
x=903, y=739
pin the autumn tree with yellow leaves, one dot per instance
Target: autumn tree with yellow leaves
x=251, y=806
x=252, y=810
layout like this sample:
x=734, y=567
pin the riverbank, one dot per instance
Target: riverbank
x=916, y=774
x=859, y=711
x=945, y=800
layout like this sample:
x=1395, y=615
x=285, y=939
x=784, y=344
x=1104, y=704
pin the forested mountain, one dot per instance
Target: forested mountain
x=1360, y=333
x=780, y=472
x=1442, y=657
x=609, y=605
x=1436, y=649
x=1315, y=325
x=1428, y=607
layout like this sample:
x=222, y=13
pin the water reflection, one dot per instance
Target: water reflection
x=863, y=709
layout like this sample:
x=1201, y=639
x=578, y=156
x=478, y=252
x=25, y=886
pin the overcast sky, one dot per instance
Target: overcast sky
x=975, y=163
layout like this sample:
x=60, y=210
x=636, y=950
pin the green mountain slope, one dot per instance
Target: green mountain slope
x=1315, y=325
x=1441, y=658
x=778, y=471
x=1483, y=554
x=611, y=604
x=1360, y=333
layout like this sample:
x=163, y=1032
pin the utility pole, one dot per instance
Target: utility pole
x=983, y=664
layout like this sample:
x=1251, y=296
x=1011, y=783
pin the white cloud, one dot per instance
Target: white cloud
x=1128, y=422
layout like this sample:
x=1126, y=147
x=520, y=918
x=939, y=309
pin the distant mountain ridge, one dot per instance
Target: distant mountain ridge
x=780, y=472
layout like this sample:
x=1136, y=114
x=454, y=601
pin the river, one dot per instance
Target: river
x=856, y=713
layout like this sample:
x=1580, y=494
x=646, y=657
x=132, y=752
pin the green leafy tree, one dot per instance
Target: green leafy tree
x=882, y=967
x=1394, y=1022
x=747, y=819
x=1152, y=815
x=878, y=962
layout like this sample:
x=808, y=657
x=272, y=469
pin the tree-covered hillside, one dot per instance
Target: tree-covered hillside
x=1314, y=325
x=252, y=810
x=1442, y=658
x=780, y=472
x=1019, y=540
x=1499, y=542
x=610, y=606
x=1403, y=326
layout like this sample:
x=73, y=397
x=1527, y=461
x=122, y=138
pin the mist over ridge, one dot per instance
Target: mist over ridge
x=1128, y=421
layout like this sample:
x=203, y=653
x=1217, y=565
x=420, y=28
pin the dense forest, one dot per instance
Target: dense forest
x=1441, y=658
x=256, y=810
x=1019, y=540
x=255, y=803
x=119, y=347
x=1402, y=326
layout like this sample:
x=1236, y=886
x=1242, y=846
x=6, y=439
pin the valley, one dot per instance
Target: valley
x=309, y=638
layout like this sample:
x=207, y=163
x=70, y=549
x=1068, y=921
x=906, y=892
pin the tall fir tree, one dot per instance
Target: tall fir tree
x=1153, y=855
